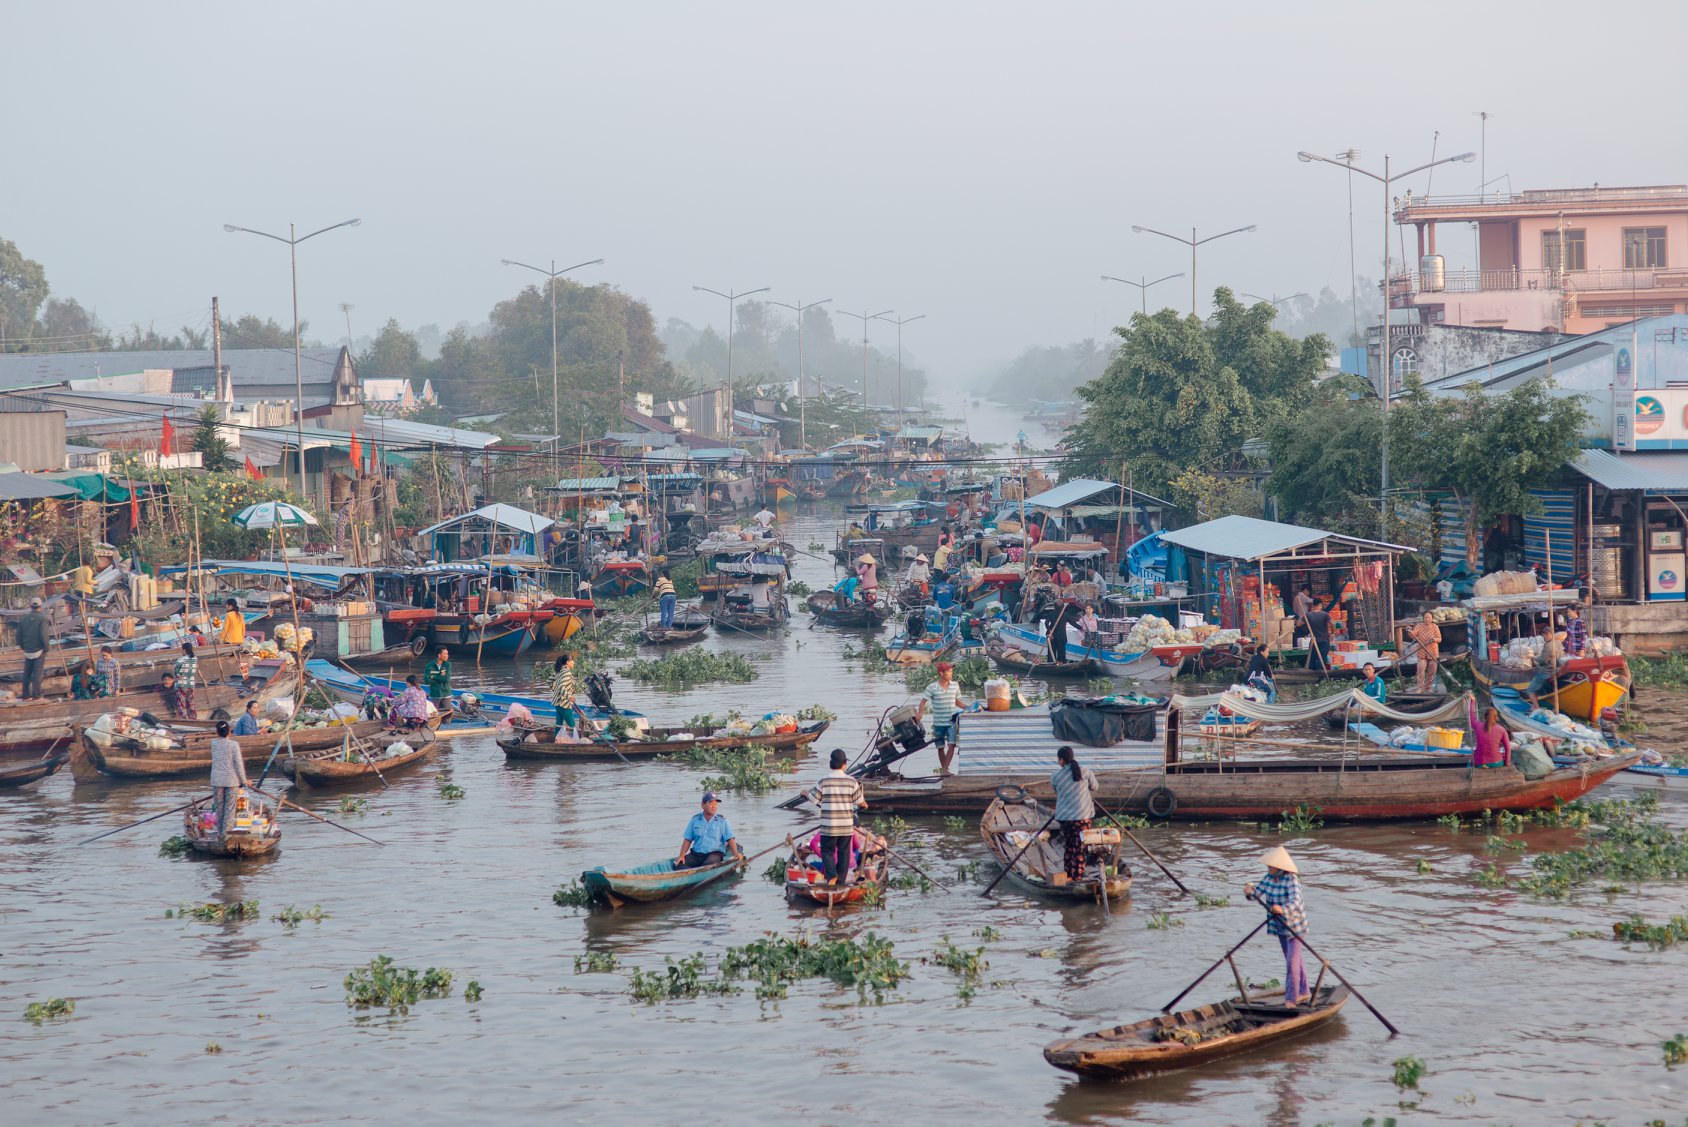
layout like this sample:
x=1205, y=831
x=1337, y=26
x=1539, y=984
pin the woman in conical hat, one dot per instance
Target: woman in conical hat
x=1280, y=893
x=868, y=572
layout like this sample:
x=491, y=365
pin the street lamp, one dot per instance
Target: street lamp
x=732, y=299
x=1274, y=301
x=900, y=322
x=1386, y=381
x=293, y=240
x=1143, y=286
x=553, y=274
x=802, y=394
x=865, y=317
x=1192, y=242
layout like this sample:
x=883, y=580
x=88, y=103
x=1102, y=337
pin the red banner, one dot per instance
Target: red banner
x=357, y=455
x=167, y=444
x=252, y=471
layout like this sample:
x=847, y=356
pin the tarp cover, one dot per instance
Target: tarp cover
x=1101, y=723
x=1292, y=711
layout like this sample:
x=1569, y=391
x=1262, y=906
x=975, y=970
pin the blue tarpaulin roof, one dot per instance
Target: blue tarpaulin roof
x=320, y=575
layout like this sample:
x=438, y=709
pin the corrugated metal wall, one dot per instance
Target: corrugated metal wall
x=1558, y=516
x=34, y=440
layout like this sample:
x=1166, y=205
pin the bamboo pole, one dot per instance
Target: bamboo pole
x=1552, y=622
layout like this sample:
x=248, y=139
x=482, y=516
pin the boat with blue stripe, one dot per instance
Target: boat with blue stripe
x=350, y=687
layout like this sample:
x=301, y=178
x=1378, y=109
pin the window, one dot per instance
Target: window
x=1644, y=248
x=1406, y=364
x=1576, y=255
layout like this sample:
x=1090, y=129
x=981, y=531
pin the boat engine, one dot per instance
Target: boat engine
x=598, y=691
x=900, y=736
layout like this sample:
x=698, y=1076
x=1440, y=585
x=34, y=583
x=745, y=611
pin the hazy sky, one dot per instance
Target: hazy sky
x=981, y=163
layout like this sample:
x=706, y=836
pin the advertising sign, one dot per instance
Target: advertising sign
x=1623, y=393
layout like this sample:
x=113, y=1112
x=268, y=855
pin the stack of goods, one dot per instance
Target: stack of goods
x=1506, y=583
x=293, y=641
x=1355, y=655
x=1522, y=652
x=126, y=723
x=1576, y=739
x=1444, y=615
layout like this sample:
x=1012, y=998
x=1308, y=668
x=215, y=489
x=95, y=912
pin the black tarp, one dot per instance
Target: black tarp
x=1100, y=723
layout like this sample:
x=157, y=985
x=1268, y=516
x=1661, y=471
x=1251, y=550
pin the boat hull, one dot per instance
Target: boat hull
x=329, y=770
x=1031, y=866
x=653, y=883
x=535, y=744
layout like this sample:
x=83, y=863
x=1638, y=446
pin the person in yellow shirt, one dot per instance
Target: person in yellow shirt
x=940, y=558
x=233, y=625
x=82, y=581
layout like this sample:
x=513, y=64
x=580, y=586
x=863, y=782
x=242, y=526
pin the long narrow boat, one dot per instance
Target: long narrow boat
x=689, y=625
x=346, y=765
x=1012, y=834
x=648, y=884
x=538, y=743
x=31, y=772
x=1517, y=715
x=125, y=757
x=824, y=605
x=350, y=687
x=1189, y=1038
x=803, y=886
x=1115, y=663
x=252, y=834
x=1023, y=664
x=507, y=635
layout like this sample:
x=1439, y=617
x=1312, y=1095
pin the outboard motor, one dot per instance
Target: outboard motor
x=598, y=691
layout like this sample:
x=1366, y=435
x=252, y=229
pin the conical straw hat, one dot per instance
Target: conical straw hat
x=866, y=558
x=1279, y=858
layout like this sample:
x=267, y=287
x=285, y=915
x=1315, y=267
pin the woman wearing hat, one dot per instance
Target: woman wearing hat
x=867, y=570
x=920, y=573
x=1280, y=893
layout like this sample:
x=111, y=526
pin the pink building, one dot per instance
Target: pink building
x=1625, y=255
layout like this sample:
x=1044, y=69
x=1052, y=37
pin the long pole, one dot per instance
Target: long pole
x=556, y=426
x=1385, y=361
x=298, y=366
x=1193, y=245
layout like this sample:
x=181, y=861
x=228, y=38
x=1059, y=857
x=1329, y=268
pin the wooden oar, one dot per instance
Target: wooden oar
x=144, y=821
x=1393, y=1032
x=788, y=843
x=1023, y=851
x=917, y=868
x=313, y=814
x=1166, y=1009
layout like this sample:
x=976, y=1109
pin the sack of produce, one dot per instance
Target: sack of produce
x=1531, y=759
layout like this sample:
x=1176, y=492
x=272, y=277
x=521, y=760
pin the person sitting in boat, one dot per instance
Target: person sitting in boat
x=915, y=626
x=1373, y=685
x=1259, y=674
x=867, y=570
x=111, y=674
x=563, y=689
x=168, y=693
x=920, y=573
x=1074, y=808
x=412, y=709
x=1491, y=742
x=838, y=794
x=249, y=724
x=232, y=629
x=187, y=677
x=1547, y=667
x=845, y=589
x=944, y=698
x=666, y=598
x=1280, y=894
x=1088, y=622
x=86, y=684
x=709, y=838
x=943, y=591
x=856, y=843
x=228, y=775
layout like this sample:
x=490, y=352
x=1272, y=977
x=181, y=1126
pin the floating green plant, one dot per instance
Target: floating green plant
x=1300, y=820
x=174, y=846
x=384, y=983
x=291, y=917
x=1211, y=901
x=1161, y=921
x=775, y=872
x=354, y=805
x=955, y=825
x=39, y=1012
x=214, y=913
x=449, y=790
x=1637, y=930
x=816, y=712
x=572, y=895
x=692, y=667
x=595, y=962
x=473, y=991
x=774, y=962
x=1676, y=1051
x=684, y=979
x=1408, y=1072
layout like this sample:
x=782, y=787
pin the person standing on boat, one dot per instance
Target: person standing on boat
x=187, y=679
x=228, y=775
x=941, y=557
x=1547, y=668
x=1576, y=633
x=943, y=696
x=248, y=724
x=867, y=570
x=1064, y=613
x=110, y=673
x=563, y=689
x=1318, y=638
x=709, y=838
x=32, y=633
x=1429, y=638
x=232, y=630
x=1280, y=894
x=943, y=591
x=1074, y=808
x=1491, y=742
x=438, y=676
x=838, y=794
x=666, y=597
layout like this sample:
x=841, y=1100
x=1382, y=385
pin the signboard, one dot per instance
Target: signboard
x=1624, y=422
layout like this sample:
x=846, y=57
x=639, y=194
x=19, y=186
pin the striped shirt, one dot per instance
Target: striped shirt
x=1576, y=636
x=563, y=688
x=838, y=795
x=663, y=587
x=1072, y=796
x=944, y=699
x=1284, y=891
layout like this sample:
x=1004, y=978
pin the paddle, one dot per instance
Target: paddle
x=1023, y=851
x=917, y=868
x=1166, y=1009
x=144, y=821
x=1393, y=1032
x=787, y=843
x=312, y=814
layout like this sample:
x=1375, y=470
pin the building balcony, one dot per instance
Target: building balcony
x=1407, y=284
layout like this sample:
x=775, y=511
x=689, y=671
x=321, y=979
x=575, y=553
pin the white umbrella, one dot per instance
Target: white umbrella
x=272, y=514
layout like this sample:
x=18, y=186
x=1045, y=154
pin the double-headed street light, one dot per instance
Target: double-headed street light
x=1192, y=242
x=1385, y=376
x=293, y=240
x=900, y=322
x=553, y=274
x=732, y=297
x=1143, y=286
x=802, y=392
x=864, y=316
x=1272, y=301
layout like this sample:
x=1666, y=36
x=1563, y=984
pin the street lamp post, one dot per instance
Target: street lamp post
x=293, y=240
x=1192, y=242
x=553, y=274
x=732, y=300
x=1143, y=286
x=900, y=322
x=1385, y=381
x=865, y=317
x=1274, y=301
x=802, y=392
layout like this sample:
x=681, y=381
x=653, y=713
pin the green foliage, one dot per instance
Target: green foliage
x=953, y=824
x=799, y=589
x=1408, y=1072
x=1212, y=901
x=1676, y=1051
x=775, y=872
x=209, y=441
x=1326, y=459
x=1162, y=921
x=291, y=917
x=393, y=353
x=816, y=712
x=1669, y=671
x=1626, y=841
x=39, y=1012
x=692, y=667
x=212, y=1048
x=354, y=805
x=746, y=770
x=683, y=979
x=1210, y=496
x=966, y=965
x=383, y=983
x=572, y=895
x=970, y=675
x=1493, y=876
x=473, y=991
x=215, y=913
x=595, y=962
x=1422, y=867
x=1300, y=820
x=1050, y=372
x=449, y=790
x=1636, y=929
x=684, y=576
x=174, y=846
x=774, y=962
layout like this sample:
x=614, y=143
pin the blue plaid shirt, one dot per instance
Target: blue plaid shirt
x=1576, y=636
x=1282, y=890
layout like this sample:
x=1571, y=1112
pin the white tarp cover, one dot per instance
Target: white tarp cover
x=1293, y=711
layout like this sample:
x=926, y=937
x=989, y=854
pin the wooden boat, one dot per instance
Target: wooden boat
x=811, y=489
x=31, y=772
x=689, y=625
x=1338, y=718
x=828, y=611
x=648, y=884
x=538, y=743
x=352, y=687
x=847, y=483
x=253, y=832
x=138, y=667
x=1371, y=788
x=1025, y=665
x=1188, y=1038
x=804, y=885
x=124, y=757
x=1218, y=721
x=508, y=635
x=401, y=654
x=754, y=621
x=1588, y=685
x=344, y=765
x=1041, y=869
x=618, y=579
x=1115, y=663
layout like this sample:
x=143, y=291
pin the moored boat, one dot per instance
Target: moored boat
x=830, y=611
x=648, y=884
x=1023, y=664
x=539, y=743
x=28, y=773
x=1014, y=833
x=130, y=755
x=350, y=764
x=252, y=830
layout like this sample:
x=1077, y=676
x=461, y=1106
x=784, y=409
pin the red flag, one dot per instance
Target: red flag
x=167, y=445
x=357, y=454
x=134, y=507
x=252, y=471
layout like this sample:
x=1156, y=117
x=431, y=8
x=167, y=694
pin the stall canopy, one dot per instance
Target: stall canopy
x=31, y=487
x=1648, y=472
x=1084, y=489
x=1250, y=538
x=589, y=485
x=320, y=575
x=494, y=527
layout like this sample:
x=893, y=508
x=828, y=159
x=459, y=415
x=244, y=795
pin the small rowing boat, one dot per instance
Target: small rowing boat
x=689, y=625
x=344, y=765
x=32, y=772
x=1188, y=1038
x=1013, y=832
x=1016, y=661
x=648, y=884
x=829, y=611
x=1338, y=718
x=540, y=743
x=252, y=830
x=804, y=885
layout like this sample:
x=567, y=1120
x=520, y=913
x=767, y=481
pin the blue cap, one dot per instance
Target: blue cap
x=710, y=796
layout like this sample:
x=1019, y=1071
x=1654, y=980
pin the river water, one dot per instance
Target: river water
x=1517, y=1021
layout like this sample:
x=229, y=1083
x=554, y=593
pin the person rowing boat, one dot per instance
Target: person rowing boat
x=709, y=837
x=1280, y=893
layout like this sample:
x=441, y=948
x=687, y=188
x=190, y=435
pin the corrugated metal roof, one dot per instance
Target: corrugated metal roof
x=1250, y=538
x=1083, y=489
x=1654, y=473
x=505, y=516
x=923, y=434
x=29, y=487
x=587, y=484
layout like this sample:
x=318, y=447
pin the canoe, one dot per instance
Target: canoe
x=647, y=884
x=261, y=836
x=333, y=768
x=1016, y=661
x=928, y=650
x=123, y=757
x=30, y=772
x=351, y=687
x=1338, y=718
x=1371, y=788
x=824, y=605
x=1008, y=827
x=804, y=892
x=1189, y=1038
x=673, y=635
x=730, y=621
x=536, y=743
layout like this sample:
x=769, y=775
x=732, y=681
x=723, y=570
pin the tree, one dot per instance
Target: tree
x=1209, y=497
x=209, y=441
x=249, y=331
x=67, y=326
x=23, y=288
x=1326, y=458
x=394, y=352
x=1489, y=451
x=1050, y=372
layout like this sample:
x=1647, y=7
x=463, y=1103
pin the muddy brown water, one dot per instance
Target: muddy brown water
x=1517, y=1021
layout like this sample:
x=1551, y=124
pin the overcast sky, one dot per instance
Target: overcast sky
x=979, y=163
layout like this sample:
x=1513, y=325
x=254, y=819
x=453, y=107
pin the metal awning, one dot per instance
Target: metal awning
x=507, y=517
x=30, y=487
x=1249, y=538
x=1073, y=492
x=1662, y=472
x=318, y=575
